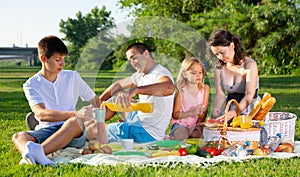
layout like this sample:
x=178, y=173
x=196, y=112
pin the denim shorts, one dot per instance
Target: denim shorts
x=44, y=133
x=177, y=125
x=131, y=128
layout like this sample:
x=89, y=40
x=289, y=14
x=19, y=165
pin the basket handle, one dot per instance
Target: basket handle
x=223, y=130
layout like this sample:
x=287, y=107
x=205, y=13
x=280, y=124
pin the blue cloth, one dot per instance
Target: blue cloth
x=131, y=128
x=42, y=134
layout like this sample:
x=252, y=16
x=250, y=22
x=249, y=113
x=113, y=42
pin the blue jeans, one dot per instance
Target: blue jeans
x=131, y=128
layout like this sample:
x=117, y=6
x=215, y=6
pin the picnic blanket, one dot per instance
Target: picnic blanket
x=72, y=155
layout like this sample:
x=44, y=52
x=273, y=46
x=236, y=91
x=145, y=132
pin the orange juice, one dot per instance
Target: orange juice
x=144, y=107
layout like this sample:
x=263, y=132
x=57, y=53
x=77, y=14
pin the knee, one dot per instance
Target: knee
x=74, y=124
x=17, y=136
x=181, y=134
x=74, y=121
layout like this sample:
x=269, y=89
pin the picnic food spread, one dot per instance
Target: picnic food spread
x=247, y=141
x=191, y=146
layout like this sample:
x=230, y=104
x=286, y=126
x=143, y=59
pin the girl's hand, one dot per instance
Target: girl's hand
x=199, y=109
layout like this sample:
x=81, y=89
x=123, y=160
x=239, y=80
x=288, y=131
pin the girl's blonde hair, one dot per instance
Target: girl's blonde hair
x=185, y=66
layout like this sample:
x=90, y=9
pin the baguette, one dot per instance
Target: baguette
x=261, y=114
x=265, y=97
x=269, y=103
x=255, y=109
x=265, y=108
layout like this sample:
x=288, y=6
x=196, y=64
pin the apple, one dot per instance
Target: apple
x=279, y=148
x=86, y=151
x=106, y=149
x=287, y=147
x=99, y=151
x=265, y=150
x=258, y=152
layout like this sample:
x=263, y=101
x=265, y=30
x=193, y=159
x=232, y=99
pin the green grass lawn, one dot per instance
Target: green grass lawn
x=14, y=107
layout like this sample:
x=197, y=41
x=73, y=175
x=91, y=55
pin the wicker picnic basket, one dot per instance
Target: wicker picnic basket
x=281, y=122
x=226, y=136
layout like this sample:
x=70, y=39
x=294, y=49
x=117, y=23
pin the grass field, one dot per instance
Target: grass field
x=14, y=107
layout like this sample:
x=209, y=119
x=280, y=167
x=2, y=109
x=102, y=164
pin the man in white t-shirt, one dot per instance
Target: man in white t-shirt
x=52, y=94
x=152, y=83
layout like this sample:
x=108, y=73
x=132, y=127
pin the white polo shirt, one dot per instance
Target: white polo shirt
x=61, y=95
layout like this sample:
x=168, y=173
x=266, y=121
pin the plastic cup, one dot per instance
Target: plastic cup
x=246, y=122
x=127, y=144
x=99, y=114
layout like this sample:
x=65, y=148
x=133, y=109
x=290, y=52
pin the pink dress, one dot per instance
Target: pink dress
x=189, y=102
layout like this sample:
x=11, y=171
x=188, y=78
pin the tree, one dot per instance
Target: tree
x=276, y=26
x=78, y=31
x=180, y=10
x=270, y=29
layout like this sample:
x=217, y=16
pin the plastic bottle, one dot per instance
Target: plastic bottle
x=237, y=150
x=273, y=142
x=144, y=107
x=263, y=134
x=243, y=150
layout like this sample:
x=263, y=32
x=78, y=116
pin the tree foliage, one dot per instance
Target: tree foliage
x=79, y=30
x=270, y=29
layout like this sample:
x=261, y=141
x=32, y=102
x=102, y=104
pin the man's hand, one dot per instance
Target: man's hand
x=85, y=113
x=123, y=98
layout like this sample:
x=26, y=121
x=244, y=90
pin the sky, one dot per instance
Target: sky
x=24, y=23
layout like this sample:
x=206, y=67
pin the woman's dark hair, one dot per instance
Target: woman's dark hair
x=224, y=38
x=50, y=45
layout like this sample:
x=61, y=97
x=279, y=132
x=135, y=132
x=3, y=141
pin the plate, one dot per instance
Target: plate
x=212, y=125
x=129, y=153
x=114, y=146
x=194, y=141
x=167, y=143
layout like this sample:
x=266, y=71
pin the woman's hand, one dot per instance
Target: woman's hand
x=216, y=113
x=230, y=115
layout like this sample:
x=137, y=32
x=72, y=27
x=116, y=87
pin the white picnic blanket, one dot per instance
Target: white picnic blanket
x=72, y=155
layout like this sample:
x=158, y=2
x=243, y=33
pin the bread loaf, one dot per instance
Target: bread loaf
x=265, y=97
x=256, y=108
x=265, y=108
x=269, y=103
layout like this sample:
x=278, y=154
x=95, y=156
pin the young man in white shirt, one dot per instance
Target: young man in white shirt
x=52, y=94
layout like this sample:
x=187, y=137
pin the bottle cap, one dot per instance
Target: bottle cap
x=279, y=135
x=247, y=143
x=261, y=123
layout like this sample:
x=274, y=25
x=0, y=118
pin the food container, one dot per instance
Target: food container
x=281, y=122
x=226, y=136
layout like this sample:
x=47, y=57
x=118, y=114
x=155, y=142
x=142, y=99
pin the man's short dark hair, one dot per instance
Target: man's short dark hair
x=50, y=45
x=140, y=47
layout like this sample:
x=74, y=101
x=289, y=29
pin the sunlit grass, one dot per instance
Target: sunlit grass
x=14, y=107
